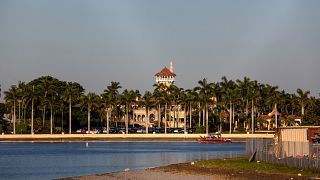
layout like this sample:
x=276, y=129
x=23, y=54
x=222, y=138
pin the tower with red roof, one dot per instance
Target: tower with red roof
x=165, y=76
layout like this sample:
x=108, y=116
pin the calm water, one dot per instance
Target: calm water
x=54, y=160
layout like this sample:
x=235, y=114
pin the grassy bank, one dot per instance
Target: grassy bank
x=260, y=167
x=240, y=168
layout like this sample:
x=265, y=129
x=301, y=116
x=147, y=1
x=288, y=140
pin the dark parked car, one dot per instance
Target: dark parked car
x=191, y=130
x=178, y=130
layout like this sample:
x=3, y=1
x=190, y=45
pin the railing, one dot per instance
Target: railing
x=302, y=155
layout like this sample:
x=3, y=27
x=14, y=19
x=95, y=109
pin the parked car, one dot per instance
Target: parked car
x=94, y=131
x=141, y=130
x=191, y=130
x=170, y=130
x=178, y=130
x=81, y=131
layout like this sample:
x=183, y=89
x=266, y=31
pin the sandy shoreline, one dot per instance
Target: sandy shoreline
x=119, y=137
x=147, y=174
x=183, y=171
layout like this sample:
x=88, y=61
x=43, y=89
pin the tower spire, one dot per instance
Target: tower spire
x=171, y=68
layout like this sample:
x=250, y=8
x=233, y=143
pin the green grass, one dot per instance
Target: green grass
x=243, y=165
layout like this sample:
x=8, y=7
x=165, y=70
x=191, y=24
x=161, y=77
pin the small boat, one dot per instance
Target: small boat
x=213, y=138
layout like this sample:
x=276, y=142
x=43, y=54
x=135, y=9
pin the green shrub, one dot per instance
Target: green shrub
x=22, y=129
x=200, y=129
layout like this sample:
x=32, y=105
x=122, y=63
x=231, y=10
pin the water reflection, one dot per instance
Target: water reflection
x=53, y=160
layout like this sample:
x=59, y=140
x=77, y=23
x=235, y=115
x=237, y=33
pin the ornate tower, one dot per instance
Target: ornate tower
x=165, y=76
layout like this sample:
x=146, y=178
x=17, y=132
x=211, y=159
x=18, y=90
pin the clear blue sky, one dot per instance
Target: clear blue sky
x=95, y=42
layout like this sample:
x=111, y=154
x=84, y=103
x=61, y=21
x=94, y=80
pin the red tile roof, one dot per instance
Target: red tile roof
x=165, y=72
x=266, y=117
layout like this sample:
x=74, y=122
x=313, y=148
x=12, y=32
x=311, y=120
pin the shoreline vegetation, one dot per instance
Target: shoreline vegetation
x=120, y=137
x=49, y=105
x=234, y=168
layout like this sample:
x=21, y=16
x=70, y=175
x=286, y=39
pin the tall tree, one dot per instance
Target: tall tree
x=90, y=101
x=23, y=93
x=72, y=92
x=253, y=94
x=191, y=101
x=113, y=90
x=244, y=87
x=31, y=95
x=303, y=98
x=135, y=103
x=127, y=98
x=148, y=102
x=52, y=102
x=184, y=101
x=273, y=99
x=158, y=94
x=205, y=91
x=11, y=96
x=114, y=87
x=168, y=98
x=229, y=96
x=46, y=86
x=175, y=94
x=106, y=98
x=62, y=106
x=20, y=98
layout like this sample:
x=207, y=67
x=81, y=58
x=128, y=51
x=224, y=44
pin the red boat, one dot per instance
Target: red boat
x=216, y=138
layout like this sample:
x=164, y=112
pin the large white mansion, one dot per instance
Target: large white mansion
x=166, y=77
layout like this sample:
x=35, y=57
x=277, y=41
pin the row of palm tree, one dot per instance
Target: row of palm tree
x=43, y=92
x=222, y=102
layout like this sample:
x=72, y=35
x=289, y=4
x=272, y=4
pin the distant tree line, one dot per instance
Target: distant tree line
x=49, y=105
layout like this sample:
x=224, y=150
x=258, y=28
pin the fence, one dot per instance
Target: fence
x=302, y=155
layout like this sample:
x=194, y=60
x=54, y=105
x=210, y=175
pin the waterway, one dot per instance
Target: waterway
x=55, y=160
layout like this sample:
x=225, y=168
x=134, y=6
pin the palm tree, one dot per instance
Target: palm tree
x=128, y=97
x=72, y=91
x=135, y=103
x=45, y=86
x=101, y=110
x=23, y=88
x=167, y=97
x=253, y=94
x=229, y=95
x=106, y=98
x=275, y=99
x=114, y=87
x=113, y=90
x=12, y=96
x=158, y=93
x=90, y=101
x=190, y=99
x=148, y=103
x=62, y=107
x=183, y=99
x=52, y=100
x=303, y=98
x=175, y=92
x=294, y=103
x=31, y=95
x=205, y=91
x=220, y=107
x=217, y=93
x=244, y=87
x=235, y=100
